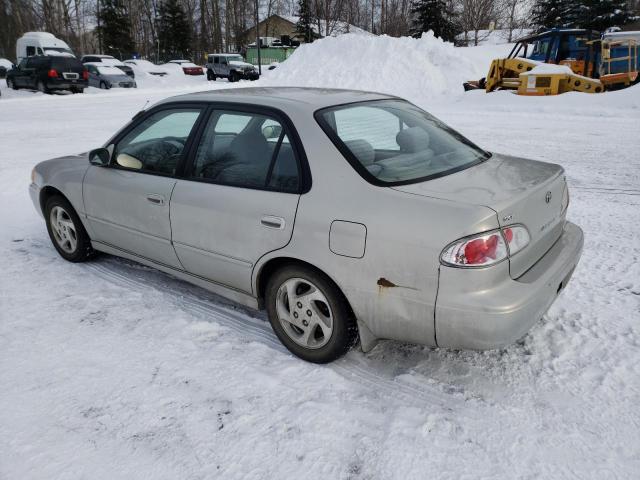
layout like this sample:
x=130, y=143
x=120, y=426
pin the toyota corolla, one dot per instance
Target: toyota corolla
x=349, y=216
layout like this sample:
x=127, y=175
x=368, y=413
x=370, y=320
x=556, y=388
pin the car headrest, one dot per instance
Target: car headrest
x=412, y=140
x=249, y=143
x=363, y=150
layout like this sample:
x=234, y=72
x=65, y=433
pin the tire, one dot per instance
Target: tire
x=77, y=90
x=11, y=84
x=211, y=76
x=319, y=327
x=66, y=231
x=41, y=87
x=104, y=86
x=233, y=77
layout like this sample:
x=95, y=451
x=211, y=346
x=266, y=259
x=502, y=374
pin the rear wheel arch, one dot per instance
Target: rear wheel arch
x=272, y=265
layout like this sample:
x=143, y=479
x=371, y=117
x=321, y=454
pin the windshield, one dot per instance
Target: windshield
x=392, y=142
x=235, y=58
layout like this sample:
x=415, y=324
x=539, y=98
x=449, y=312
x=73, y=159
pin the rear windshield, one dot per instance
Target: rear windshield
x=392, y=142
x=66, y=64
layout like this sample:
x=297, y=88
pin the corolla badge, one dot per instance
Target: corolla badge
x=547, y=197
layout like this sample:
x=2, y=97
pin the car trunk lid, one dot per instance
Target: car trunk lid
x=520, y=191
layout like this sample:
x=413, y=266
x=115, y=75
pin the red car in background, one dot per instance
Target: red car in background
x=189, y=68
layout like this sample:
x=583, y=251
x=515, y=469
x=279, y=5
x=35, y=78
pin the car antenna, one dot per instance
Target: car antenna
x=141, y=111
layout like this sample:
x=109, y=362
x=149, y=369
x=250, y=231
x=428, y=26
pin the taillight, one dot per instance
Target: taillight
x=487, y=248
x=85, y=74
x=517, y=238
x=52, y=73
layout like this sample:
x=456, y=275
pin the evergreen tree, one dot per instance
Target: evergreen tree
x=548, y=14
x=114, y=28
x=593, y=14
x=304, y=26
x=602, y=14
x=174, y=30
x=432, y=15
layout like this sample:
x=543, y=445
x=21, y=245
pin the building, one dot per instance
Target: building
x=280, y=25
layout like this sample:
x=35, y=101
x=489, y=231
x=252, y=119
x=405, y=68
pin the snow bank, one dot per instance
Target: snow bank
x=417, y=69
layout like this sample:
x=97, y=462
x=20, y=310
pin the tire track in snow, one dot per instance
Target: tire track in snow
x=258, y=329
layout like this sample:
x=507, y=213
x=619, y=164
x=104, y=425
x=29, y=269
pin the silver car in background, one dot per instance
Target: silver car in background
x=107, y=76
x=346, y=215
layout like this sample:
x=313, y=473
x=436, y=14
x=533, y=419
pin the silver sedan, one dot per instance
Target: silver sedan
x=349, y=216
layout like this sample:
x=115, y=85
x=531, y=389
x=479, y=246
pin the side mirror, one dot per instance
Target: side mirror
x=272, y=131
x=99, y=157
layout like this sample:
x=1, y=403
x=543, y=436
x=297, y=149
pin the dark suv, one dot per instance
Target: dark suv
x=49, y=73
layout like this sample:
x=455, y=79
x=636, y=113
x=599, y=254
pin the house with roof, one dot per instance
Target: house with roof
x=279, y=26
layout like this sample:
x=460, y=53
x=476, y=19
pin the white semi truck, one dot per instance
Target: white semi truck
x=40, y=43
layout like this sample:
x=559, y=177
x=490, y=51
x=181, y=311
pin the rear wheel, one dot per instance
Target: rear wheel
x=309, y=314
x=211, y=76
x=11, y=84
x=66, y=231
x=104, y=86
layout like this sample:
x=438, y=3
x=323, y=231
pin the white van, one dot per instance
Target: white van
x=40, y=43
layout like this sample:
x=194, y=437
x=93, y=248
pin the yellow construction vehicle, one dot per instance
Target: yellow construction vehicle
x=564, y=60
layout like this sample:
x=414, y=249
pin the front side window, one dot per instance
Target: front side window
x=392, y=142
x=157, y=143
x=246, y=150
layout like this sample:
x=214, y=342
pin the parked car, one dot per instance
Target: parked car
x=147, y=67
x=231, y=66
x=47, y=73
x=108, y=60
x=189, y=68
x=106, y=76
x=344, y=214
x=41, y=43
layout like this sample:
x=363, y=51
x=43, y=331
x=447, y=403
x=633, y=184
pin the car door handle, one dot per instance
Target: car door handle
x=273, y=222
x=155, y=199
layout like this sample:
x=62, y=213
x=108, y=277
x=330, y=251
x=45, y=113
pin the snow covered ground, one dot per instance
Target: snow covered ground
x=111, y=370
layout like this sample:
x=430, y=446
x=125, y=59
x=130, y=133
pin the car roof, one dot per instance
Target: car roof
x=278, y=97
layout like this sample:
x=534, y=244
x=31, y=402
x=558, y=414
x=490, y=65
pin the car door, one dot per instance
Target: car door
x=22, y=73
x=239, y=197
x=94, y=77
x=127, y=202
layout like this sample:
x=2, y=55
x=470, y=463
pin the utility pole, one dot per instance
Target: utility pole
x=258, y=41
x=99, y=29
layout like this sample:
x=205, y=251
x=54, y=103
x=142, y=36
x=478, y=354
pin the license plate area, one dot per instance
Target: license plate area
x=70, y=75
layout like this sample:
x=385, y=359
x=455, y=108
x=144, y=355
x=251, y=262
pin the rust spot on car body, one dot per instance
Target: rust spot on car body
x=383, y=284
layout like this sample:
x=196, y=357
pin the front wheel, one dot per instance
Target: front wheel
x=309, y=314
x=66, y=231
x=233, y=77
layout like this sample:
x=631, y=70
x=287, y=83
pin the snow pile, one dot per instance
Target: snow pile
x=549, y=69
x=417, y=69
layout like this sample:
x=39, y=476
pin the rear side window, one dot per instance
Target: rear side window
x=246, y=150
x=31, y=51
x=392, y=142
x=66, y=64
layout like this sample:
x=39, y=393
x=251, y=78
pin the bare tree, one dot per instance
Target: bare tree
x=477, y=15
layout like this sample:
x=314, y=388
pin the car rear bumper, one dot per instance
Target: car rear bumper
x=66, y=84
x=482, y=309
